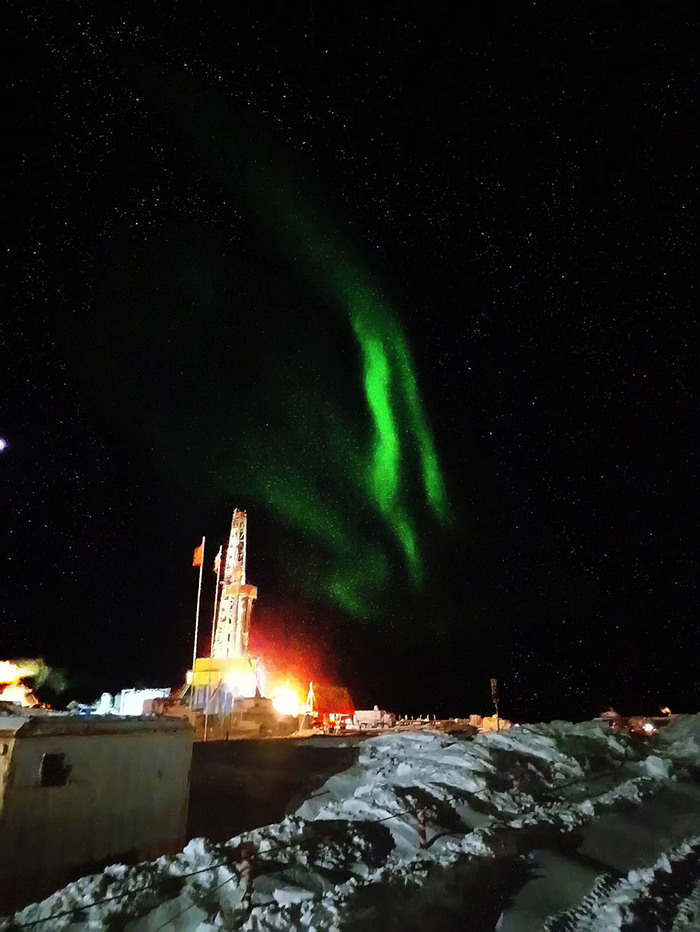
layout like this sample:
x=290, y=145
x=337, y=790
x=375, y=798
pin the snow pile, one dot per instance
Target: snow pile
x=414, y=802
x=680, y=740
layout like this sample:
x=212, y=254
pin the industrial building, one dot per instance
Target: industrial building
x=80, y=792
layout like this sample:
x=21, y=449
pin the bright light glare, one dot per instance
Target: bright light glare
x=12, y=673
x=648, y=727
x=286, y=702
x=18, y=694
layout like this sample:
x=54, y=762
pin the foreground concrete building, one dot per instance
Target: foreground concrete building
x=78, y=793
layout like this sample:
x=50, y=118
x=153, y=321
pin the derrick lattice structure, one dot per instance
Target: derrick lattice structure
x=232, y=627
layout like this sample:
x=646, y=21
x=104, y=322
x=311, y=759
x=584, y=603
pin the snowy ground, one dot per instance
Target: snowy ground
x=559, y=827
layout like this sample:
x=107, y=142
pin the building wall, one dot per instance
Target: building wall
x=125, y=796
x=7, y=743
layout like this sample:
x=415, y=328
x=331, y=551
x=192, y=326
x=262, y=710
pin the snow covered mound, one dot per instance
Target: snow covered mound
x=415, y=804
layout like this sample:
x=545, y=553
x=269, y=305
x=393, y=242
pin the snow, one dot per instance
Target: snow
x=483, y=800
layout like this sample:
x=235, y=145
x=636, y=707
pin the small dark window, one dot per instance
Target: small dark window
x=54, y=770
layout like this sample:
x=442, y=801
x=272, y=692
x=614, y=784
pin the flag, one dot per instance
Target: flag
x=198, y=555
x=217, y=561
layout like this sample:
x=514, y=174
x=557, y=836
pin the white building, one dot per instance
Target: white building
x=131, y=701
x=77, y=793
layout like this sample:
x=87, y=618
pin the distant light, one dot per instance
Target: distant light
x=19, y=694
x=3, y=444
x=648, y=727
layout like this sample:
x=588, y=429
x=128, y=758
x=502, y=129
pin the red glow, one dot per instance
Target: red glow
x=291, y=646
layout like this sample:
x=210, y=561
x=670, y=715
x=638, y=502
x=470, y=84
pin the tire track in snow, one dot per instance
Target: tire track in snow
x=664, y=897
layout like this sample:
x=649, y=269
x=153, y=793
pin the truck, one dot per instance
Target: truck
x=373, y=718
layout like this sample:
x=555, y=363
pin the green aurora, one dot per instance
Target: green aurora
x=399, y=423
x=382, y=460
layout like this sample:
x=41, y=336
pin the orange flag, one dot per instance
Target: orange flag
x=198, y=556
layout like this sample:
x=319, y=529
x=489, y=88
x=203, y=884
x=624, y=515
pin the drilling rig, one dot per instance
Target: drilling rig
x=229, y=672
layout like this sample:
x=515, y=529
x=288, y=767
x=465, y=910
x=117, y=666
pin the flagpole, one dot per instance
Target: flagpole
x=216, y=595
x=196, y=620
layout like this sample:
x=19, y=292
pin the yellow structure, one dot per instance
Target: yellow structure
x=233, y=670
x=214, y=677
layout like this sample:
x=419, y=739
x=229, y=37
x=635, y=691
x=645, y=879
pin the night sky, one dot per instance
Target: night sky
x=415, y=291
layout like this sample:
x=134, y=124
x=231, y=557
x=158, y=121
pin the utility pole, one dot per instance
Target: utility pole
x=197, y=561
x=217, y=570
x=494, y=696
